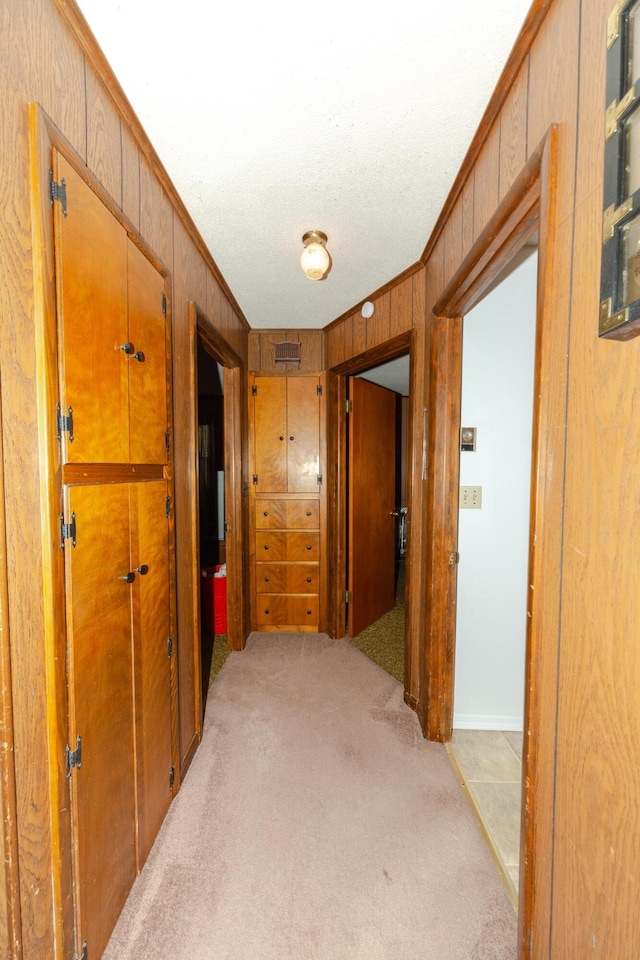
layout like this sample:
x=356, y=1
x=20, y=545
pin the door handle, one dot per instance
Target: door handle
x=143, y=570
x=394, y=513
x=129, y=577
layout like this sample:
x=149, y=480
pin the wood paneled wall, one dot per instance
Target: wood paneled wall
x=589, y=836
x=262, y=351
x=47, y=58
x=398, y=307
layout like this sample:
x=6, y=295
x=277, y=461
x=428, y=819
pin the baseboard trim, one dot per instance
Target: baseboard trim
x=479, y=721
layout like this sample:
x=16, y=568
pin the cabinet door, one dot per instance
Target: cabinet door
x=91, y=277
x=100, y=707
x=151, y=629
x=303, y=434
x=270, y=434
x=148, y=416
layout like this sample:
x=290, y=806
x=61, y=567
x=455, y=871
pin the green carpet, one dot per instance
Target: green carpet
x=383, y=640
x=220, y=654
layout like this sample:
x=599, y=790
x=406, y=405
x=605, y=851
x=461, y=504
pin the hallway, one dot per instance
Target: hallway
x=315, y=821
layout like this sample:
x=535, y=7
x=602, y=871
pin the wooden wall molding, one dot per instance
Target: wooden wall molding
x=380, y=292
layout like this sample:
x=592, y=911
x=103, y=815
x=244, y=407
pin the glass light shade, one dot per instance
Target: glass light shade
x=315, y=259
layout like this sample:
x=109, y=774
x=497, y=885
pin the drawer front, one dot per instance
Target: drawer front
x=275, y=545
x=288, y=611
x=291, y=514
x=287, y=578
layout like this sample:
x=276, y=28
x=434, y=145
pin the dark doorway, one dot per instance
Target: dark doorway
x=210, y=502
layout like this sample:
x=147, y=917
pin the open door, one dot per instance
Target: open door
x=372, y=503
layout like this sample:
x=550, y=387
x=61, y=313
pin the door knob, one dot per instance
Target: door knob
x=127, y=348
x=139, y=356
x=143, y=570
x=129, y=577
x=394, y=513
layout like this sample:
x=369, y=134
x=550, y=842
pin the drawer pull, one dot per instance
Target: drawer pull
x=266, y=513
x=308, y=613
x=309, y=548
x=266, y=546
x=267, y=611
x=308, y=579
x=266, y=579
x=282, y=438
x=308, y=513
x=291, y=438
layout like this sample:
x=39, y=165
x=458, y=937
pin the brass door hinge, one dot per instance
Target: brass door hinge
x=454, y=558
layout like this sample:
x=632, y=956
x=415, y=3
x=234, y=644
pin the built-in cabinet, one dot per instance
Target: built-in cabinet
x=286, y=417
x=116, y=533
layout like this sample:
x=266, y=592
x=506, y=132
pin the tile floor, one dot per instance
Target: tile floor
x=489, y=763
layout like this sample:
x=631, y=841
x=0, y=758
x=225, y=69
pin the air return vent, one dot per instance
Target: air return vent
x=288, y=352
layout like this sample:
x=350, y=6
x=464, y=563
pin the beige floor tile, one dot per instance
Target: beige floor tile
x=485, y=755
x=499, y=806
x=514, y=739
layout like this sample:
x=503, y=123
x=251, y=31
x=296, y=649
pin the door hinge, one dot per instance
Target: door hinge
x=227, y=527
x=347, y=596
x=164, y=304
x=254, y=390
x=255, y=478
x=58, y=191
x=170, y=646
x=454, y=557
x=64, y=424
x=348, y=406
x=67, y=530
x=319, y=478
x=172, y=777
x=167, y=507
x=84, y=955
x=319, y=389
x=167, y=440
x=74, y=757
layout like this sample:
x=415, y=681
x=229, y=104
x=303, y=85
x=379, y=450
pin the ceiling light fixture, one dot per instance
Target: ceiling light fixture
x=315, y=259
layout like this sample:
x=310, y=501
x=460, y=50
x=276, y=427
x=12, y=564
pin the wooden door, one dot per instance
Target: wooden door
x=303, y=434
x=269, y=397
x=100, y=678
x=151, y=629
x=372, y=503
x=147, y=364
x=91, y=278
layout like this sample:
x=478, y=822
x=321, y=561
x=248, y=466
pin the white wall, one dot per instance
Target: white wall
x=497, y=398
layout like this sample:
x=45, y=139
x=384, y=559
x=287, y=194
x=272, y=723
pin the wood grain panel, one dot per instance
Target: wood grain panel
x=270, y=436
x=486, y=182
x=359, y=333
x=467, y=195
x=453, y=241
x=294, y=614
x=288, y=578
x=156, y=218
x=303, y=434
x=293, y=514
x=254, y=351
x=378, y=325
x=53, y=70
x=151, y=619
x=513, y=131
x=104, y=147
x=277, y=545
x=335, y=345
x=130, y=177
x=347, y=326
x=312, y=344
x=401, y=307
x=596, y=849
x=553, y=91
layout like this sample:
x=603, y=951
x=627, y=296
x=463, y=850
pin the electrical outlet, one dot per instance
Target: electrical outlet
x=470, y=498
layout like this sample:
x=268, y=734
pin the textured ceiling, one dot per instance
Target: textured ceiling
x=276, y=118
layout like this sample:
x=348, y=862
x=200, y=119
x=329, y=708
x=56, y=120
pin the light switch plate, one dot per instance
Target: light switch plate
x=470, y=498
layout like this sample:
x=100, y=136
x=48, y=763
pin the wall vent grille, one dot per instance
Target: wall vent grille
x=288, y=352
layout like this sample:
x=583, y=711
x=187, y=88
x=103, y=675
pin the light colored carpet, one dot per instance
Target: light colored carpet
x=316, y=822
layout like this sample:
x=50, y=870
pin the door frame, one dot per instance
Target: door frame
x=337, y=460
x=202, y=326
x=529, y=206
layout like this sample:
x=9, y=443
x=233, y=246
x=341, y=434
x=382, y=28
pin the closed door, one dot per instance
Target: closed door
x=151, y=630
x=372, y=503
x=286, y=422
x=101, y=709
